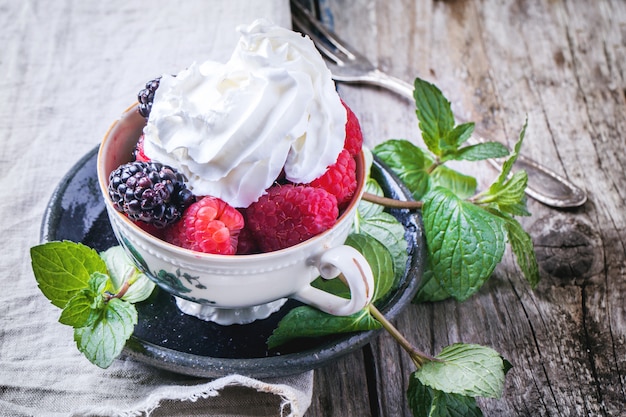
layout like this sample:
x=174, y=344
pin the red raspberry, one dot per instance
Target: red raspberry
x=290, y=214
x=339, y=179
x=354, y=136
x=151, y=229
x=246, y=244
x=138, y=153
x=209, y=225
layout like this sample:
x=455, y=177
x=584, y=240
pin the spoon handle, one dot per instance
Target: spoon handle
x=544, y=185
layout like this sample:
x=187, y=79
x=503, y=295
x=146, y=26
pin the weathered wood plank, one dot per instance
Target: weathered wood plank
x=561, y=64
x=341, y=388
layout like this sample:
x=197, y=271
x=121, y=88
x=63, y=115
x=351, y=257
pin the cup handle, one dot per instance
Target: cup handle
x=358, y=276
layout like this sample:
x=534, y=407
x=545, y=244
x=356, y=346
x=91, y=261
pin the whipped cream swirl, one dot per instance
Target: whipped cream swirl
x=232, y=127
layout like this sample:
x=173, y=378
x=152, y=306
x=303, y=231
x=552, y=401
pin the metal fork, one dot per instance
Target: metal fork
x=349, y=66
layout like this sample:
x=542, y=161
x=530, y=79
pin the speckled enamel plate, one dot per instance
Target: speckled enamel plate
x=168, y=339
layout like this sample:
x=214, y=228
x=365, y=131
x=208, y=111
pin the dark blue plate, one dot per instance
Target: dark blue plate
x=168, y=339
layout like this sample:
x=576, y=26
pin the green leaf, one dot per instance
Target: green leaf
x=507, y=193
x=459, y=135
x=367, y=209
x=77, y=311
x=121, y=269
x=426, y=401
x=390, y=233
x=508, y=164
x=508, y=196
x=99, y=283
x=333, y=286
x=523, y=249
x=482, y=151
x=462, y=185
x=379, y=259
x=430, y=289
x=465, y=242
x=307, y=321
x=465, y=369
x=104, y=340
x=64, y=268
x=434, y=114
x=408, y=162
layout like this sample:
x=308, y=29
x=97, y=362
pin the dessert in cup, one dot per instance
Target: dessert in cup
x=234, y=185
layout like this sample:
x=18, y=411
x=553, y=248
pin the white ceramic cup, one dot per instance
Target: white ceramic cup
x=231, y=289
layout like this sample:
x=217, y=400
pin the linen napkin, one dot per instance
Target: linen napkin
x=68, y=70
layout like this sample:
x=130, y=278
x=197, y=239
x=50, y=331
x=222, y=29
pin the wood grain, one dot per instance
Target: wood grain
x=561, y=64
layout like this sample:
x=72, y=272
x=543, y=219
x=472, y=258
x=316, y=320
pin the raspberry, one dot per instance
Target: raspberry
x=246, y=244
x=138, y=153
x=149, y=192
x=290, y=214
x=146, y=97
x=339, y=179
x=354, y=136
x=151, y=229
x=209, y=225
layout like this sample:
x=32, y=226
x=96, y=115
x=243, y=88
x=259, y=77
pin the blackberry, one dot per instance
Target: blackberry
x=146, y=97
x=149, y=192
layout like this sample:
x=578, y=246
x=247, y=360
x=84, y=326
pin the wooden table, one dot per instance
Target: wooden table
x=562, y=64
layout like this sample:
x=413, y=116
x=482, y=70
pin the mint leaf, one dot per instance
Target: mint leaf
x=434, y=114
x=367, y=209
x=119, y=265
x=307, y=321
x=64, y=268
x=508, y=164
x=481, y=151
x=523, y=249
x=462, y=185
x=408, y=162
x=507, y=193
x=509, y=197
x=99, y=283
x=333, y=286
x=465, y=242
x=426, y=401
x=430, y=289
x=104, y=340
x=390, y=233
x=459, y=135
x=465, y=369
x=78, y=309
x=380, y=261
x=121, y=269
x=84, y=306
x=411, y=165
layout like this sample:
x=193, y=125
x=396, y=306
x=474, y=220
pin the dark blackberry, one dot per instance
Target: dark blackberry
x=149, y=192
x=146, y=97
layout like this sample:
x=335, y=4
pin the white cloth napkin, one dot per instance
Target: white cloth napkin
x=68, y=69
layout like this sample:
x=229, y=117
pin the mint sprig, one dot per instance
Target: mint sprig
x=466, y=232
x=76, y=279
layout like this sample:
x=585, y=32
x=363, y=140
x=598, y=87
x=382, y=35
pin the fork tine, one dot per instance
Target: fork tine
x=303, y=18
x=320, y=43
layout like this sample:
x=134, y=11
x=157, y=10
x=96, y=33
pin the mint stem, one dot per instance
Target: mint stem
x=418, y=358
x=120, y=293
x=392, y=202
